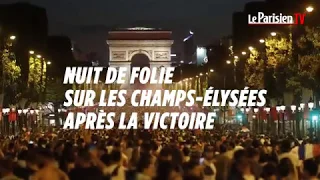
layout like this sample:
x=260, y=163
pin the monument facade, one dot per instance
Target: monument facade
x=142, y=44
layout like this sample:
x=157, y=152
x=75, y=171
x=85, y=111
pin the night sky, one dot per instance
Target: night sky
x=210, y=19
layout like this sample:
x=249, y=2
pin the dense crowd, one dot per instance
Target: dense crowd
x=146, y=155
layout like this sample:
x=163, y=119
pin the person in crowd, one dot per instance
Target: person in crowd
x=286, y=169
x=254, y=157
x=223, y=163
x=29, y=168
x=84, y=168
x=186, y=154
x=193, y=168
x=49, y=169
x=269, y=172
x=241, y=170
x=116, y=170
x=310, y=169
x=6, y=170
x=145, y=168
x=293, y=158
x=209, y=168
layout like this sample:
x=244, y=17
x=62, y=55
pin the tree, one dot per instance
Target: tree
x=309, y=58
x=279, y=56
x=253, y=72
x=10, y=76
x=35, y=77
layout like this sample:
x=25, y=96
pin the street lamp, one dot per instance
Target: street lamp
x=39, y=56
x=250, y=48
x=293, y=109
x=49, y=62
x=243, y=53
x=267, y=109
x=5, y=124
x=12, y=37
x=309, y=9
x=228, y=62
x=256, y=110
x=310, y=104
x=211, y=70
x=283, y=108
x=181, y=62
x=31, y=52
x=247, y=113
x=302, y=106
x=201, y=74
x=278, y=108
x=236, y=57
x=273, y=33
x=261, y=41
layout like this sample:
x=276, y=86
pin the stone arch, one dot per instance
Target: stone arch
x=135, y=52
x=140, y=60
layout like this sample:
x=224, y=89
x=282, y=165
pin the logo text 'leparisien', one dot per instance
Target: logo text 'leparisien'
x=276, y=19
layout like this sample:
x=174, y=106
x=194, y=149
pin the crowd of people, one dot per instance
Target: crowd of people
x=148, y=155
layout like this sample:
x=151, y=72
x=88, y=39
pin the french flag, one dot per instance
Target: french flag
x=308, y=151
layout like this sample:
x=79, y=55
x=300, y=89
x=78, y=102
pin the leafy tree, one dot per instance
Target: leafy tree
x=36, y=77
x=10, y=76
x=254, y=70
x=279, y=56
x=309, y=58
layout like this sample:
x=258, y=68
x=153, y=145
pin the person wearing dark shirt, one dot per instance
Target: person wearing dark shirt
x=30, y=168
x=84, y=169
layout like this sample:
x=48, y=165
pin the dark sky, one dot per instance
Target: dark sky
x=210, y=15
x=209, y=19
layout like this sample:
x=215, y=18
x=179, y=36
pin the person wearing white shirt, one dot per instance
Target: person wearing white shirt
x=286, y=153
x=209, y=169
x=116, y=170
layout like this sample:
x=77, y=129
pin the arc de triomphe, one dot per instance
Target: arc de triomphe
x=124, y=44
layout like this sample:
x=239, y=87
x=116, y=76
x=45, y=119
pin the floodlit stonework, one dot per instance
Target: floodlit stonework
x=124, y=44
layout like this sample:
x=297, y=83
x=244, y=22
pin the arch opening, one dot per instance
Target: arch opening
x=139, y=60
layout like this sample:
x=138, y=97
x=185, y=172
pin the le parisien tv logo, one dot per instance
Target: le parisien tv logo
x=276, y=19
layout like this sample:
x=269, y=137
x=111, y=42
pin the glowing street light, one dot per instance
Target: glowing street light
x=31, y=52
x=236, y=57
x=228, y=62
x=39, y=56
x=243, y=53
x=201, y=74
x=181, y=62
x=273, y=33
x=12, y=37
x=250, y=48
x=309, y=9
x=261, y=41
x=49, y=62
x=211, y=70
